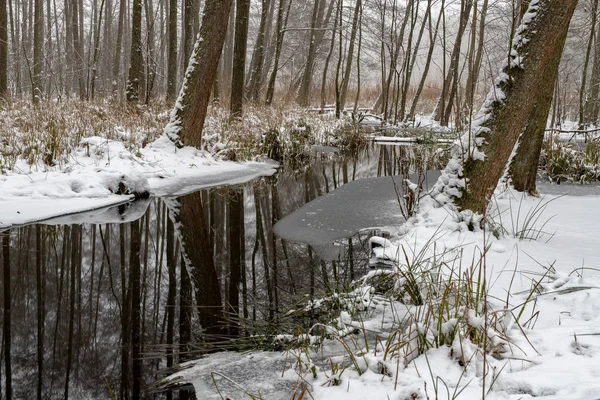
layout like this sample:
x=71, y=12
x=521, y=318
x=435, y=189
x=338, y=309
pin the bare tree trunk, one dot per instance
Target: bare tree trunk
x=432, y=39
x=256, y=65
x=135, y=63
x=281, y=25
x=306, y=81
x=474, y=73
x=3, y=50
x=586, y=62
x=118, y=48
x=38, y=34
x=515, y=118
x=348, y=69
x=329, y=54
x=172, y=51
x=187, y=119
x=454, y=61
x=242, y=14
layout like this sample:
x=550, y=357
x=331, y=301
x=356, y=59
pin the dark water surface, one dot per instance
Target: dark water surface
x=104, y=304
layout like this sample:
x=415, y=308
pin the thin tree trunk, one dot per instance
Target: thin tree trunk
x=135, y=63
x=118, y=48
x=586, y=62
x=432, y=39
x=281, y=26
x=454, y=61
x=256, y=65
x=348, y=69
x=172, y=51
x=303, y=97
x=242, y=15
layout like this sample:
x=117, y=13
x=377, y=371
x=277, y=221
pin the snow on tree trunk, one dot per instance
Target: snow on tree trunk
x=188, y=115
x=519, y=94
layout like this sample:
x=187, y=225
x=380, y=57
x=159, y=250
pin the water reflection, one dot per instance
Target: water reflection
x=103, y=308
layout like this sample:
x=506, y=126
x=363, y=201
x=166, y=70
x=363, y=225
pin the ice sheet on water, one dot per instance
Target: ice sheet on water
x=342, y=213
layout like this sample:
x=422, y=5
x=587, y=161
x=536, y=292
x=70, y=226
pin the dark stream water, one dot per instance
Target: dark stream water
x=104, y=304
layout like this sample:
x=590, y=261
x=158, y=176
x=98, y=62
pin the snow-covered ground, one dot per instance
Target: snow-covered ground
x=551, y=352
x=90, y=178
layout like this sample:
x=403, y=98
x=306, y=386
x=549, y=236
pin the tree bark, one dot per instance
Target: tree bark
x=348, y=69
x=187, y=119
x=303, y=97
x=135, y=62
x=514, y=117
x=3, y=50
x=281, y=25
x=256, y=65
x=242, y=15
x=172, y=51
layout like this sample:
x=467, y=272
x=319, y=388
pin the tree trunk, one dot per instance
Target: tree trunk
x=256, y=65
x=281, y=25
x=242, y=15
x=135, y=62
x=172, y=51
x=582, y=91
x=78, y=49
x=452, y=77
x=593, y=101
x=3, y=50
x=303, y=97
x=348, y=69
x=187, y=119
x=432, y=39
x=474, y=73
x=328, y=59
x=38, y=35
x=515, y=117
x=117, y=61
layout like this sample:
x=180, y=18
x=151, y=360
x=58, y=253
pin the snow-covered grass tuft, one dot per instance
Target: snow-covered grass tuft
x=46, y=136
x=281, y=134
x=571, y=162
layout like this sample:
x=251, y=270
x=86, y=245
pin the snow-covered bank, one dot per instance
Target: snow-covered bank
x=550, y=350
x=91, y=175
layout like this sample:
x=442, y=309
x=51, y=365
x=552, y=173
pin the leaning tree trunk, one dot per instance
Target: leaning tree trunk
x=198, y=254
x=524, y=165
x=187, y=118
x=514, y=110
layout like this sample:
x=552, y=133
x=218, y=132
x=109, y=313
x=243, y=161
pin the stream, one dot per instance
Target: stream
x=103, y=302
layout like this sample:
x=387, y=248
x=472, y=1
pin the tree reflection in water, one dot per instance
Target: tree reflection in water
x=101, y=310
